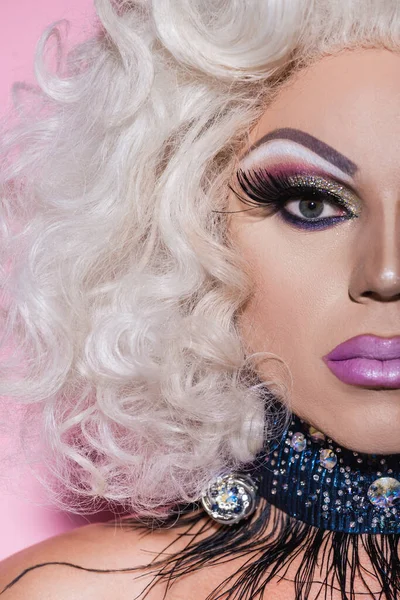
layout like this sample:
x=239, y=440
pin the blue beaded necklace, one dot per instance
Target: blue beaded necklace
x=311, y=478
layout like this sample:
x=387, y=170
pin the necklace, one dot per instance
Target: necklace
x=312, y=478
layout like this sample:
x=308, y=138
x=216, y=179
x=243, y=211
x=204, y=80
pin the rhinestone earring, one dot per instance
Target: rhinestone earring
x=230, y=498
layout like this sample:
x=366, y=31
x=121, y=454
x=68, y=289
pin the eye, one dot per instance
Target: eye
x=304, y=201
x=313, y=208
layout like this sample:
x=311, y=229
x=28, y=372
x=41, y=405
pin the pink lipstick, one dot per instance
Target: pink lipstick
x=367, y=360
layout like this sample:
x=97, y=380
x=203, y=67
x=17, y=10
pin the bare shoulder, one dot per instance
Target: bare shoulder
x=108, y=562
x=101, y=561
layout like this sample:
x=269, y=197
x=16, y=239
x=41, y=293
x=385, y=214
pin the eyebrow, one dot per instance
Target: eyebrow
x=312, y=143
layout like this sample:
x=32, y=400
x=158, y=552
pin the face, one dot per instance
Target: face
x=318, y=190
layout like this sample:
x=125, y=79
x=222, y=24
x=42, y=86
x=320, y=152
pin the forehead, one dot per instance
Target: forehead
x=350, y=100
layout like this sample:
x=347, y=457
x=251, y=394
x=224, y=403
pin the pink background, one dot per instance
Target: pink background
x=24, y=518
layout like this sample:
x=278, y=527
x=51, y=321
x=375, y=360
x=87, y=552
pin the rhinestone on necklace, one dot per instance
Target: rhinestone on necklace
x=384, y=492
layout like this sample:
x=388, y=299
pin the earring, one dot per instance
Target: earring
x=230, y=498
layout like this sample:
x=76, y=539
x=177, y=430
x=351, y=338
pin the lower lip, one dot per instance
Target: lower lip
x=367, y=372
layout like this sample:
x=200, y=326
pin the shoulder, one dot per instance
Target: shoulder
x=83, y=564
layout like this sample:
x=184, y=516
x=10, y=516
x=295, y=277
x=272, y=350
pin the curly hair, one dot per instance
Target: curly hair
x=122, y=284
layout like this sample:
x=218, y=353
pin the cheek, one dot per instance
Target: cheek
x=275, y=312
x=296, y=293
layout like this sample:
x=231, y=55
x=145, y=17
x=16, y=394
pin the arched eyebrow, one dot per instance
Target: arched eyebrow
x=312, y=143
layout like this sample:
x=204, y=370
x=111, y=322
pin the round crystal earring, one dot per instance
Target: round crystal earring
x=230, y=498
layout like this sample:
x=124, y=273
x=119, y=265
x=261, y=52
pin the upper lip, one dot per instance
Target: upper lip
x=367, y=346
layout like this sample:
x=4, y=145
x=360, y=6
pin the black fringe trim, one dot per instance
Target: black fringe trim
x=270, y=542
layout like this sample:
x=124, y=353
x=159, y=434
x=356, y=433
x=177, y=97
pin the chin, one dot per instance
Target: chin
x=371, y=426
x=372, y=445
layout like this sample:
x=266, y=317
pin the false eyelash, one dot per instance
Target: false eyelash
x=262, y=188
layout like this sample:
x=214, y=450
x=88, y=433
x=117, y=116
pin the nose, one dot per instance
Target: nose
x=376, y=270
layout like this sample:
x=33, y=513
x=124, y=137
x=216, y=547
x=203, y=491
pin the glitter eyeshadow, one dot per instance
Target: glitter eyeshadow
x=331, y=187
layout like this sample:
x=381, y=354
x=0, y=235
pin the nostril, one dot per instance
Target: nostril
x=381, y=296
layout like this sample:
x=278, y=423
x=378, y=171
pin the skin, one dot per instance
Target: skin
x=311, y=291
x=344, y=280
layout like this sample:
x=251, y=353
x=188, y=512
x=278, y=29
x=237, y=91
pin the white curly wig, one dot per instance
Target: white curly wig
x=120, y=284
